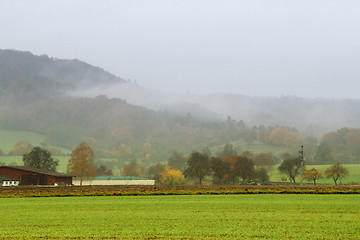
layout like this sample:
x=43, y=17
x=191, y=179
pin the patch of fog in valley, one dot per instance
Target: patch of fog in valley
x=313, y=117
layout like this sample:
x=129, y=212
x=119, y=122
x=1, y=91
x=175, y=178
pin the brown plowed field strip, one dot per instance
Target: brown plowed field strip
x=67, y=191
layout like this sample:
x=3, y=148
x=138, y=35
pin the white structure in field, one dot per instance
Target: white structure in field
x=112, y=180
x=10, y=183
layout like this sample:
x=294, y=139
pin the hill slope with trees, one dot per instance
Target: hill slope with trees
x=34, y=97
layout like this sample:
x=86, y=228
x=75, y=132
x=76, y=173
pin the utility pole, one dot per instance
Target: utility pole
x=301, y=156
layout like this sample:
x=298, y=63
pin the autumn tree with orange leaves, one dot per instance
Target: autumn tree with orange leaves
x=132, y=169
x=81, y=163
x=312, y=175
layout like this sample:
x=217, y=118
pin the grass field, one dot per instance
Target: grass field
x=9, y=138
x=255, y=147
x=183, y=217
x=258, y=147
x=63, y=161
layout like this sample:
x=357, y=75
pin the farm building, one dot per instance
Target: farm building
x=112, y=180
x=34, y=176
x=8, y=181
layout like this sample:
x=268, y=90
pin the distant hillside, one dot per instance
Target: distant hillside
x=34, y=96
x=25, y=77
x=313, y=117
x=44, y=76
x=69, y=101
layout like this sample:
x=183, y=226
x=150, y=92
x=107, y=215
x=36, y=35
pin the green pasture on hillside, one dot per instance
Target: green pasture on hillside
x=9, y=138
x=259, y=147
x=17, y=160
x=255, y=147
x=183, y=217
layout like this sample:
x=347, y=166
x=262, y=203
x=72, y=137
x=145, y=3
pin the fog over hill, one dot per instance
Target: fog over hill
x=65, y=75
x=48, y=76
x=302, y=113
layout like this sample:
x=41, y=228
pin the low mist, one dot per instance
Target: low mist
x=313, y=117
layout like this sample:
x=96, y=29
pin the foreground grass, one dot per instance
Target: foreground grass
x=183, y=217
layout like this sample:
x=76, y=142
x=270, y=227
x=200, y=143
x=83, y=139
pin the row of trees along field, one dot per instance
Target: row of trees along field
x=343, y=144
x=226, y=167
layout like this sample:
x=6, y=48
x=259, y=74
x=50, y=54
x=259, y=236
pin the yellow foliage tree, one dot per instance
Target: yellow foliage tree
x=312, y=175
x=171, y=177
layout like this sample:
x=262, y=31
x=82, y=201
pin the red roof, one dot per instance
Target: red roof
x=40, y=171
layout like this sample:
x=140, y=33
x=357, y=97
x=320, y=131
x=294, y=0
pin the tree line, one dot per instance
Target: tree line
x=225, y=167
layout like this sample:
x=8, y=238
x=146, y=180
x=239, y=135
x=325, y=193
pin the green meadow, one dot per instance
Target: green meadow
x=9, y=138
x=258, y=147
x=183, y=217
x=17, y=160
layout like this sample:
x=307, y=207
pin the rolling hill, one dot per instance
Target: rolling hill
x=69, y=101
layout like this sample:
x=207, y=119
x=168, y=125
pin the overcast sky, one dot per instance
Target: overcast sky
x=258, y=48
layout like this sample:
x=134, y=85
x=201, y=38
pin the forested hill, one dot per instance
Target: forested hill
x=117, y=129
x=25, y=77
x=44, y=76
x=32, y=99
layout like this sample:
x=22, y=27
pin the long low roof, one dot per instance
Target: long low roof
x=5, y=178
x=40, y=171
